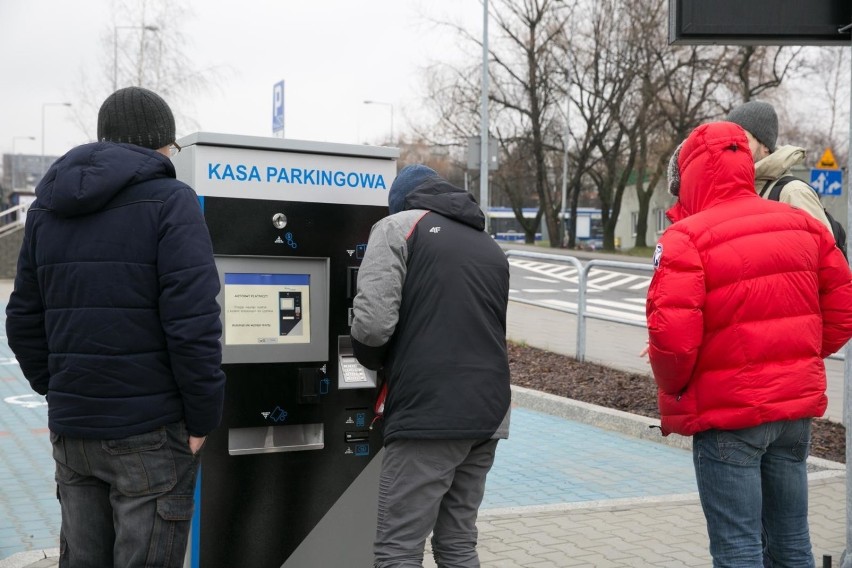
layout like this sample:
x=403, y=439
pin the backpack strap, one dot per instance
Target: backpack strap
x=775, y=193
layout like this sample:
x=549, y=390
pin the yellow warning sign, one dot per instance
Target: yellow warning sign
x=827, y=162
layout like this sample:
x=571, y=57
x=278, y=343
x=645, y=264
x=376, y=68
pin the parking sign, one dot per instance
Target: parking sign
x=278, y=108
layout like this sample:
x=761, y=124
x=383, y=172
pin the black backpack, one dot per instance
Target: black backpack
x=836, y=227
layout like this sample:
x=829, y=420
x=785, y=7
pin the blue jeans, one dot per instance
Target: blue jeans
x=125, y=503
x=753, y=483
x=431, y=486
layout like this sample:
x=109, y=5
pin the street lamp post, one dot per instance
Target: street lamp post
x=115, y=48
x=12, y=161
x=44, y=106
x=483, y=123
x=16, y=138
x=564, y=225
x=391, y=114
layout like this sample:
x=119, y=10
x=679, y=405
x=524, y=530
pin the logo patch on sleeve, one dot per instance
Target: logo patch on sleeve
x=658, y=255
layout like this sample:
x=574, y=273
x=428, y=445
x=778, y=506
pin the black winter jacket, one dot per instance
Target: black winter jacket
x=114, y=314
x=431, y=309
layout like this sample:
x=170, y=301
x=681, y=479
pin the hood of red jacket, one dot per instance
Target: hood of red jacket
x=715, y=165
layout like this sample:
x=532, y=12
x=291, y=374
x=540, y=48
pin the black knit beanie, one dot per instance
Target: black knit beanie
x=136, y=116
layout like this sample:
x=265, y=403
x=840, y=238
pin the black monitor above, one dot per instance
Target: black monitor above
x=759, y=22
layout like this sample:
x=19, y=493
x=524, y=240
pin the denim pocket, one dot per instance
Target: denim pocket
x=171, y=531
x=146, y=463
x=62, y=473
x=176, y=507
x=741, y=446
x=802, y=447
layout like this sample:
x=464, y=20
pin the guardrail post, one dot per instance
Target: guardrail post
x=581, y=313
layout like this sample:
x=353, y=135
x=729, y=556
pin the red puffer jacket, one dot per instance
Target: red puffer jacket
x=748, y=297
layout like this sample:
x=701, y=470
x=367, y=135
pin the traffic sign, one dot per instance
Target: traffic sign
x=474, y=143
x=827, y=182
x=278, y=109
x=827, y=162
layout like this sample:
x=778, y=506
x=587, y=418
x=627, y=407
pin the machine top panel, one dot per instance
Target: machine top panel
x=244, y=167
x=288, y=145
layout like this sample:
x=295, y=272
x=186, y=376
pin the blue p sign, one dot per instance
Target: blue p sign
x=278, y=108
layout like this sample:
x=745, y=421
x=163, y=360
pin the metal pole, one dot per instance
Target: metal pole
x=846, y=560
x=12, y=162
x=144, y=28
x=565, y=174
x=483, y=125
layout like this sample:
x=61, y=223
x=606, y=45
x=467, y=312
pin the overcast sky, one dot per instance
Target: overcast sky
x=332, y=55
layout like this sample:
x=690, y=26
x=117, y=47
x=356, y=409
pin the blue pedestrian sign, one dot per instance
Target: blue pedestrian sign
x=827, y=182
x=278, y=109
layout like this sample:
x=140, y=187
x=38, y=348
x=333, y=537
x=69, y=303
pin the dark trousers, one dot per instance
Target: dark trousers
x=128, y=502
x=431, y=486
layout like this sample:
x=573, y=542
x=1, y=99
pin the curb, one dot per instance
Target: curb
x=29, y=558
x=633, y=425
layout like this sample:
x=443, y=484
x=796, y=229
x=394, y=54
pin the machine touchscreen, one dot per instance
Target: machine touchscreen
x=267, y=308
x=273, y=310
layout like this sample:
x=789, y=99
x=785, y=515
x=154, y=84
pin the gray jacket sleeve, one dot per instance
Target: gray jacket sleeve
x=380, y=281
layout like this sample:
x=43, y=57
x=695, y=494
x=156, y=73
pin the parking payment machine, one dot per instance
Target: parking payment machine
x=290, y=478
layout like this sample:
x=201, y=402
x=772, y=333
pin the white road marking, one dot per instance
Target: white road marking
x=598, y=279
x=26, y=401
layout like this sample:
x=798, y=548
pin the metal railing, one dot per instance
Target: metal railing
x=582, y=279
x=12, y=218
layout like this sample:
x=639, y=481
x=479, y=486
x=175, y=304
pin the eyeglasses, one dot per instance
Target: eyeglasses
x=174, y=149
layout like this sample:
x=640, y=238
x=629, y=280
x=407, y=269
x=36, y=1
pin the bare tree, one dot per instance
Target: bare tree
x=631, y=98
x=144, y=46
x=524, y=117
x=678, y=88
x=758, y=69
x=823, y=120
x=604, y=73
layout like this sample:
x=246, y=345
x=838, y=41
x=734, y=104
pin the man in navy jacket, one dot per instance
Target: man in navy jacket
x=114, y=319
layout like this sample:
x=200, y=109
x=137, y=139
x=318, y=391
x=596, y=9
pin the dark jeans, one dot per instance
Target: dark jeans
x=753, y=483
x=125, y=503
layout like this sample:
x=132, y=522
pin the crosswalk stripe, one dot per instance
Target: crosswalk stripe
x=597, y=310
x=601, y=279
x=611, y=304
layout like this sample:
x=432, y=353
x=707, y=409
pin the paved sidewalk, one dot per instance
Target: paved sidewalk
x=575, y=485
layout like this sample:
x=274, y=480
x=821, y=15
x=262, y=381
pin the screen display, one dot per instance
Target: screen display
x=266, y=308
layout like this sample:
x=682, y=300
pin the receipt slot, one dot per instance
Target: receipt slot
x=290, y=478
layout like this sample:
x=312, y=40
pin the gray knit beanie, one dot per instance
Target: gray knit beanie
x=673, y=172
x=136, y=116
x=759, y=119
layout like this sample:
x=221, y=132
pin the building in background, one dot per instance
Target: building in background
x=21, y=174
